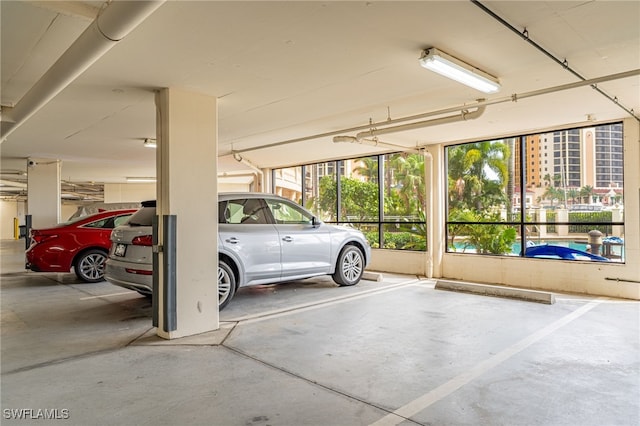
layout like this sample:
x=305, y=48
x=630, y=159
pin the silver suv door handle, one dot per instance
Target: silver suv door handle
x=232, y=240
x=287, y=239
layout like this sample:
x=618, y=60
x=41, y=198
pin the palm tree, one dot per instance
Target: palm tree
x=409, y=176
x=472, y=169
x=552, y=193
x=573, y=193
x=587, y=192
x=368, y=169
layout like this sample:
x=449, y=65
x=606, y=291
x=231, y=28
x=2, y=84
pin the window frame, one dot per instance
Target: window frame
x=565, y=137
x=381, y=224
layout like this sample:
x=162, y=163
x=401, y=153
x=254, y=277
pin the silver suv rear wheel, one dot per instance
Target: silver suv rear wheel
x=226, y=284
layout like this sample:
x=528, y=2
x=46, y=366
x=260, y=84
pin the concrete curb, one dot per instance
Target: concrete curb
x=372, y=276
x=497, y=291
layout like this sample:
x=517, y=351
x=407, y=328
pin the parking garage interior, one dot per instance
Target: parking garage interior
x=329, y=104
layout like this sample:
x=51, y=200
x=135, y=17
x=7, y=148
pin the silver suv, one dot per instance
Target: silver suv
x=262, y=239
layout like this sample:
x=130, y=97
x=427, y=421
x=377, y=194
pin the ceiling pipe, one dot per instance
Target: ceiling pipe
x=374, y=142
x=10, y=185
x=236, y=173
x=512, y=98
x=253, y=167
x=463, y=116
x=362, y=137
x=111, y=25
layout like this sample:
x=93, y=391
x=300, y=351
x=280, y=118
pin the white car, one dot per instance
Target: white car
x=262, y=239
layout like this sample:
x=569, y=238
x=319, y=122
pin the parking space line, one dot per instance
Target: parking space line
x=290, y=310
x=417, y=405
x=106, y=295
x=604, y=300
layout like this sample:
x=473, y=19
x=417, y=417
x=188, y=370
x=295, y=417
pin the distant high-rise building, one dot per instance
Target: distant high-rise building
x=539, y=167
x=575, y=159
x=609, y=162
x=567, y=157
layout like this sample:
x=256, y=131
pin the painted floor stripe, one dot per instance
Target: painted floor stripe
x=407, y=411
x=106, y=295
x=290, y=310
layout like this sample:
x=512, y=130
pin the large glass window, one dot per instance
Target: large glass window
x=320, y=195
x=404, y=194
x=483, y=207
x=499, y=205
x=359, y=191
x=288, y=183
x=351, y=191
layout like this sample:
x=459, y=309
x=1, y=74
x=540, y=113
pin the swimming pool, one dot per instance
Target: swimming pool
x=517, y=248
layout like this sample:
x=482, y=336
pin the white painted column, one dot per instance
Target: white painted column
x=617, y=216
x=542, y=217
x=562, y=215
x=436, y=208
x=43, y=192
x=187, y=188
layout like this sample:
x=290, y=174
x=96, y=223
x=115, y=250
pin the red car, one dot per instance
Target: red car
x=82, y=243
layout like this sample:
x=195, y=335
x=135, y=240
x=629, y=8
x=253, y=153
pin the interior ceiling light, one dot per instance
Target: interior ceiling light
x=448, y=66
x=150, y=143
x=141, y=179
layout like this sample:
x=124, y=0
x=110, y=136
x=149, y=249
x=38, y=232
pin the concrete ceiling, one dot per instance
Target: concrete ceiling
x=289, y=70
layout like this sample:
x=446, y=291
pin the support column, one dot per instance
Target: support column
x=434, y=166
x=542, y=218
x=187, y=194
x=43, y=192
x=562, y=215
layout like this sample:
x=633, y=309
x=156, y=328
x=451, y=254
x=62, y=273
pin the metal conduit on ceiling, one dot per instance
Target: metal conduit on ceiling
x=564, y=63
x=113, y=23
x=480, y=103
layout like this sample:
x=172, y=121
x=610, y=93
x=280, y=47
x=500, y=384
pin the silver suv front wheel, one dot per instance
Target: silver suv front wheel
x=350, y=266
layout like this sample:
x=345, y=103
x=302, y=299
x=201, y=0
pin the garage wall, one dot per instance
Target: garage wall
x=129, y=192
x=233, y=187
x=67, y=210
x=595, y=278
x=9, y=210
x=398, y=261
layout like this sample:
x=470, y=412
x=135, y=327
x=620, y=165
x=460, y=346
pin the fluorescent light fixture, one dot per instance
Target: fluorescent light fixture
x=448, y=66
x=141, y=179
x=150, y=143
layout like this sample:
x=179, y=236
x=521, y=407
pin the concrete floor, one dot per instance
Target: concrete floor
x=396, y=352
